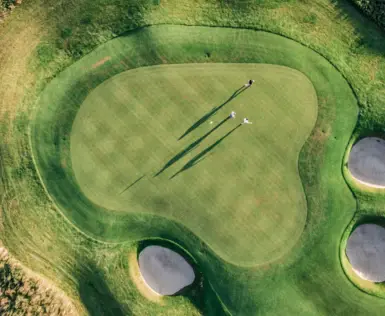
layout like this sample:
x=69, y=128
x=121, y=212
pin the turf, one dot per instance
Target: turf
x=310, y=281
x=310, y=263
x=242, y=182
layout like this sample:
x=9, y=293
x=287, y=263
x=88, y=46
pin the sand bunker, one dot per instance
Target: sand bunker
x=367, y=161
x=366, y=252
x=164, y=270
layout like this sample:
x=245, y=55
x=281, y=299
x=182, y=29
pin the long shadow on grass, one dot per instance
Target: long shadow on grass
x=132, y=184
x=212, y=112
x=190, y=147
x=203, y=154
x=96, y=295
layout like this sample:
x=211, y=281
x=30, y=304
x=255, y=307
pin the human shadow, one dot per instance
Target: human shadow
x=203, y=154
x=212, y=112
x=132, y=184
x=190, y=147
x=96, y=295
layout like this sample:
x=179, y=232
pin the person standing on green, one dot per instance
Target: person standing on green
x=251, y=81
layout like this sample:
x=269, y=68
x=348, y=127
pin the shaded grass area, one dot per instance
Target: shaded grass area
x=374, y=9
x=96, y=295
x=106, y=288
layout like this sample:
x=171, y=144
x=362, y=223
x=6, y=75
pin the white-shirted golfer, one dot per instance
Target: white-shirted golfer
x=246, y=121
x=249, y=83
x=232, y=114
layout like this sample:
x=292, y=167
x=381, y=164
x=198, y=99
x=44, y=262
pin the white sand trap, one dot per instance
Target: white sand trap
x=367, y=161
x=165, y=271
x=366, y=252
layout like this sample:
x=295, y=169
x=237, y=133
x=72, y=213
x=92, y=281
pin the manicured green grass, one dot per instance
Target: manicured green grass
x=313, y=262
x=310, y=282
x=231, y=185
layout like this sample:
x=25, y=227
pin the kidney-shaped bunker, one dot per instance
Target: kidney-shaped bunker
x=367, y=161
x=165, y=271
x=366, y=252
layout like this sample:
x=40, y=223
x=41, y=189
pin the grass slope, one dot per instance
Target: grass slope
x=231, y=185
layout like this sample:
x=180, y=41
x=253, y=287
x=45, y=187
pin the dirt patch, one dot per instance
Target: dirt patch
x=136, y=277
x=101, y=62
x=18, y=41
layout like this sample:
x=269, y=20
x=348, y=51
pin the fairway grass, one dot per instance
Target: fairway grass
x=231, y=185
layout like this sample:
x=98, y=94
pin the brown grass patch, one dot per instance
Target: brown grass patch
x=101, y=62
x=136, y=277
x=370, y=65
x=18, y=41
x=320, y=135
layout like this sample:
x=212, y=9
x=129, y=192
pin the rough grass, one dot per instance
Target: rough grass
x=34, y=231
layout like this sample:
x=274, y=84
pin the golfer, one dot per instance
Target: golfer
x=232, y=114
x=251, y=81
x=246, y=121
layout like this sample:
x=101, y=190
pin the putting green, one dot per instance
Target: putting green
x=232, y=185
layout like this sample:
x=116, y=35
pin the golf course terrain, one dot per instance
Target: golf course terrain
x=142, y=175
x=128, y=129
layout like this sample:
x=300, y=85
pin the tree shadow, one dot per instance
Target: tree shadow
x=212, y=112
x=203, y=154
x=190, y=147
x=371, y=34
x=96, y=295
x=369, y=219
x=132, y=184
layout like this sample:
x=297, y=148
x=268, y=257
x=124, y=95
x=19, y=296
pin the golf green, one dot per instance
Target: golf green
x=126, y=150
x=159, y=140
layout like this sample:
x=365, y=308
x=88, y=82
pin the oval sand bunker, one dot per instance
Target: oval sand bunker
x=366, y=252
x=165, y=271
x=367, y=161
